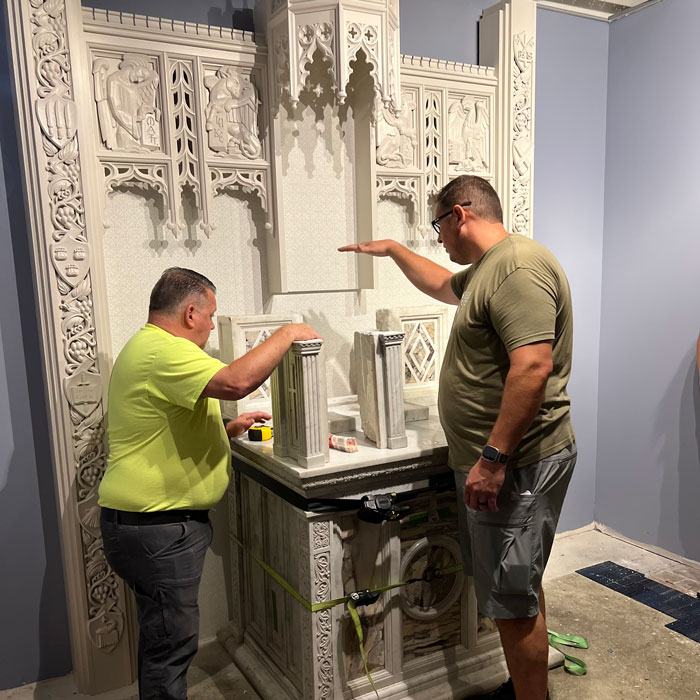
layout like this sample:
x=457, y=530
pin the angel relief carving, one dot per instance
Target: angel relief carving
x=126, y=103
x=396, y=135
x=468, y=129
x=232, y=113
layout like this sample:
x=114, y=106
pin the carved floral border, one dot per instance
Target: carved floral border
x=69, y=254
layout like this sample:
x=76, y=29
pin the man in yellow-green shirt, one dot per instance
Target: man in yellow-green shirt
x=169, y=462
x=504, y=409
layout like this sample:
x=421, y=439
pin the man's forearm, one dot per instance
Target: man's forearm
x=258, y=364
x=522, y=397
x=431, y=278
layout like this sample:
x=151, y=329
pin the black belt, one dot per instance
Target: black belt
x=157, y=517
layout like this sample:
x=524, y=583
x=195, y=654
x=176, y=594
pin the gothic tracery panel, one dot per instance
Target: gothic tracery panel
x=424, y=343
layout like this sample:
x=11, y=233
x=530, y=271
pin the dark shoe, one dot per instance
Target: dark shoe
x=503, y=692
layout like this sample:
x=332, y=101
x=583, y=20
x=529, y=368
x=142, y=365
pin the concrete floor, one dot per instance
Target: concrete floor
x=631, y=653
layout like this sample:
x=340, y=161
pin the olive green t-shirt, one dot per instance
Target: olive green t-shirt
x=168, y=447
x=516, y=294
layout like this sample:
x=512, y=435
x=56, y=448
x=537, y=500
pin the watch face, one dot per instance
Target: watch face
x=490, y=454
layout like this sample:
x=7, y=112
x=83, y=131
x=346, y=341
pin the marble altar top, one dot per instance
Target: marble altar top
x=349, y=474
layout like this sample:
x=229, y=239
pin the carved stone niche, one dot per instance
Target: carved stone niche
x=332, y=66
x=380, y=387
x=338, y=30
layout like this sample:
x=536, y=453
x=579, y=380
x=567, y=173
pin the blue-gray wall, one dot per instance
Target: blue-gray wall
x=570, y=105
x=34, y=640
x=648, y=473
x=221, y=13
x=441, y=29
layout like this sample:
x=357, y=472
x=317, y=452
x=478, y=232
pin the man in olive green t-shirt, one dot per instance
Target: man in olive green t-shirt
x=169, y=462
x=504, y=408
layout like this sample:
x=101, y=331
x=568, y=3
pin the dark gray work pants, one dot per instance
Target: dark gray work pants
x=162, y=564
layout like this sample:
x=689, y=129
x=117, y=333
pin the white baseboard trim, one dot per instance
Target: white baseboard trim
x=577, y=531
x=604, y=529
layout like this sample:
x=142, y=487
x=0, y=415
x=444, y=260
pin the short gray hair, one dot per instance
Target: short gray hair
x=176, y=285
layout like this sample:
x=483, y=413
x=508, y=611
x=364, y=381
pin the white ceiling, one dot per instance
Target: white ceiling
x=595, y=8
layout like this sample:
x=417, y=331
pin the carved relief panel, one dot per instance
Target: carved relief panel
x=232, y=113
x=196, y=115
x=396, y=135
x=523, y=133
x=443, y=130
x=127, y=101
x=469, y=142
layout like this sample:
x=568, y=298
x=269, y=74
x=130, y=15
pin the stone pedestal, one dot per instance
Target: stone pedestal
x=424, y=641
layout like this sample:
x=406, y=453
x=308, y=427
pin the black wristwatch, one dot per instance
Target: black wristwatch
x=493, y=454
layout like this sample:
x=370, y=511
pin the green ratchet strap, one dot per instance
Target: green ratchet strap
x=360, y=637
x=571, y=664
x=317, y=607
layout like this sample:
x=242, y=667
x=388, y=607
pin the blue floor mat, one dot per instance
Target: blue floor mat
x=681, y=606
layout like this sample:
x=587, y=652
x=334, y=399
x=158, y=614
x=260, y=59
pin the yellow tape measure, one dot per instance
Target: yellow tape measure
x=258, y=433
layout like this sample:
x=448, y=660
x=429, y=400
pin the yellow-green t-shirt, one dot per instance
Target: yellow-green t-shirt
x=168, y=448
x=516, y=294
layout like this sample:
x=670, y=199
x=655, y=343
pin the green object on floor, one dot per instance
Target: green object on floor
x=572, y=665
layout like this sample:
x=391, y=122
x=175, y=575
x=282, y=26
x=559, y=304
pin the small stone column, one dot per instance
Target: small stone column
x=380, y=387
x=300, y=404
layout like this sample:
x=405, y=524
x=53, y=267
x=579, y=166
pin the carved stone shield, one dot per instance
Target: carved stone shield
x=58, y=118
x=71, y=258
x=83, y=391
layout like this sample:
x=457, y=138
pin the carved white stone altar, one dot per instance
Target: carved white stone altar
x=380, y=387
x=183, y=113
x=425, y=641
x=300, y=404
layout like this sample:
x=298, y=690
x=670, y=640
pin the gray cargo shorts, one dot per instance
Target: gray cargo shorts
x=506, y=552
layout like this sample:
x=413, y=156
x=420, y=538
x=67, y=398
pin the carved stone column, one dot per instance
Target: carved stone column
x=507, y=41
x=300, y=405
x=380, y=387
x=318, y=635
x=52, y=97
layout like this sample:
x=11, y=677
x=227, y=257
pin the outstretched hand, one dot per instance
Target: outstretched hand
x=380, y=248
x=239, y=425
